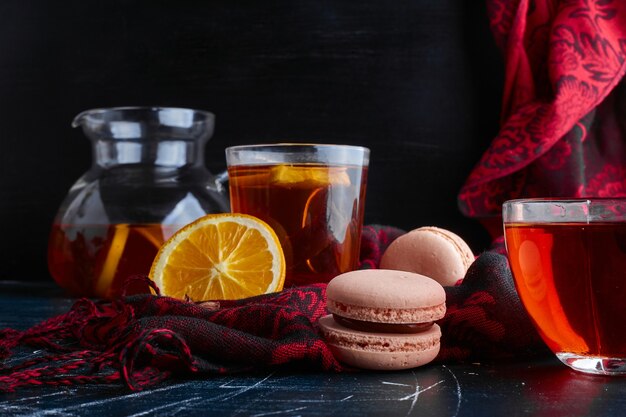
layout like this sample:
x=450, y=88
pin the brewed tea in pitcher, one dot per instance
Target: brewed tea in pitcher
x=147, y=180
x=98, y=259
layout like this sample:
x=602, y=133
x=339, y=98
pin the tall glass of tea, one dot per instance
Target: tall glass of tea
x=147, y=179
x=312, y=195
x=568, y=259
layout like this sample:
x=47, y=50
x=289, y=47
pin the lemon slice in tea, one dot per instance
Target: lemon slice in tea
x=312, y=174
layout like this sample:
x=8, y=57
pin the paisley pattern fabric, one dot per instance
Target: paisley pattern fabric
x=145, y=339
x=563, y=120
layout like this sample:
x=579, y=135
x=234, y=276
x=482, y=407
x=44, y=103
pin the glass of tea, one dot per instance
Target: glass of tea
x=568, y=259
x=312, y=195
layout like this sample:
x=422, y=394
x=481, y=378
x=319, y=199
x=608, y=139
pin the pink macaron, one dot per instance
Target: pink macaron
x=383, y=319
x=437, y=253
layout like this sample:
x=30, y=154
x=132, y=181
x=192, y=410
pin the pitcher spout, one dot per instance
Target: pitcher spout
x=79, y=118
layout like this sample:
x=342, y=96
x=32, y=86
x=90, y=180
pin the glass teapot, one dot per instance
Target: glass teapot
x=147, y=180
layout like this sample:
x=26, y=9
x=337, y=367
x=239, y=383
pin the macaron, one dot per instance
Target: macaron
x=437, y=253
x=383, y=319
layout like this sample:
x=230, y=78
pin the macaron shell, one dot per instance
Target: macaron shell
x=386, y=296
x=380, y=351
x=431, y=251
x=467, y=256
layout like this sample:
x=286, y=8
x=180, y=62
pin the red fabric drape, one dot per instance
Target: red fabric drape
x=563, y=130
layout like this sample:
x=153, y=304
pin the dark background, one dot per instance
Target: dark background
x=418, y=82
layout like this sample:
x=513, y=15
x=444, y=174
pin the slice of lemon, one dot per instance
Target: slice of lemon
x=314, y=174
x=220, y=257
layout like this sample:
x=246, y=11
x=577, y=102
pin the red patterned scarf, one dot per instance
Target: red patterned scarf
x=563, y=119
x=144, y=339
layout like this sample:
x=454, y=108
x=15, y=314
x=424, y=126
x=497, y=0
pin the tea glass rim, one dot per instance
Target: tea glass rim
x=563, y=210
x=296, y=145
x=346, y=152
x=533, y=200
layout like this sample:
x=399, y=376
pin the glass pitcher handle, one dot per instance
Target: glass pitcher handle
x=221, y=180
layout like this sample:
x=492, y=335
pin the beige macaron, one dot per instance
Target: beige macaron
x=383, y=319
x=437, y=253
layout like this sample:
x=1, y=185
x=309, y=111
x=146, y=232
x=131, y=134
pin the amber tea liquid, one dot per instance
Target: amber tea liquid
x=95, y=260
x=315, y=210
x=572, y=280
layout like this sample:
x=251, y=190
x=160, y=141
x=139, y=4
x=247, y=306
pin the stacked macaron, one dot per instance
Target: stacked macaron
x=383, y=319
